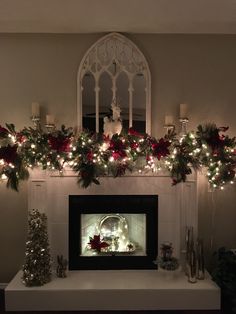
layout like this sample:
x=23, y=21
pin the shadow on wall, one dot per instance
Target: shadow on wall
x=217, y=216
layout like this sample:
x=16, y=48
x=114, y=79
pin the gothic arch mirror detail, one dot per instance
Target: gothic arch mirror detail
x=114, y=70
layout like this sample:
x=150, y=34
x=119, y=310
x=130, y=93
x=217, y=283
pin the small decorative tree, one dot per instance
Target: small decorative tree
x=37, y=267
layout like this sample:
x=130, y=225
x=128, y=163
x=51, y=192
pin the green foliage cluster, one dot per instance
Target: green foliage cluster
x=92, y=155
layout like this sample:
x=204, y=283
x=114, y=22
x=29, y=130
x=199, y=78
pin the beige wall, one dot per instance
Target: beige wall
x=197, y=69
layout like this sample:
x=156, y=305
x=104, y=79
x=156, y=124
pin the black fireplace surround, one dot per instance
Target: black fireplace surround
x=120, y=204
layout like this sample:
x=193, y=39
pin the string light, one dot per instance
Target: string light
x=59, y=148
x=4, y=177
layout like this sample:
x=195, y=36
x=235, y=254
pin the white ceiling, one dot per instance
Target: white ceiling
x=135, y=16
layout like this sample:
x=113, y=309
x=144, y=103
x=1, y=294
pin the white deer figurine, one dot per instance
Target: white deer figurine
x=113, y=125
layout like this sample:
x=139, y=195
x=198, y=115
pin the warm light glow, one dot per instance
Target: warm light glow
x=4, y=177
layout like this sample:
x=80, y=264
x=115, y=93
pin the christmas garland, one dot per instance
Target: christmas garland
x=93, y=155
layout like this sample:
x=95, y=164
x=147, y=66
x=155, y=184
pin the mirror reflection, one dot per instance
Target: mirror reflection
x=114, y=71
x=122, y=99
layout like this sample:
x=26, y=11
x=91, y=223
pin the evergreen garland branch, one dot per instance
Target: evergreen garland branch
x=93, y=155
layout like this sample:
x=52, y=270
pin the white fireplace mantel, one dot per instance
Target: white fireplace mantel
x=121, y=289
x=177, y=206
x=113, y=290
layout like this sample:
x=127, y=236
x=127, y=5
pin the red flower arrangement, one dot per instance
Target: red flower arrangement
x=20, y=137
x=59, y=143
x=96, y=243
x=134, y=132
x=117, y=147
x=8, y=153
x=160, y=148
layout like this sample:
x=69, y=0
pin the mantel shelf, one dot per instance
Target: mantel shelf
x=115, y=290
x=68, y=172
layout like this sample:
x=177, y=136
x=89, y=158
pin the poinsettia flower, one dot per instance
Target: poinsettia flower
x=96, y=243
x=8, y=153
x=133, y=132
x=215, y=142
x=59, y=143
x=118, y=154
x=118, y=149
x=117, y=145
x=134, y=145
x=106, y=138
x=160, y=148
x=20, y=137
x=90, y=155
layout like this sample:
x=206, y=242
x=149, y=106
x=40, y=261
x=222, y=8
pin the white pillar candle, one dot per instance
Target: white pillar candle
x=35, y=109
x=50, y=119
x=183, y=109
x=169, y=120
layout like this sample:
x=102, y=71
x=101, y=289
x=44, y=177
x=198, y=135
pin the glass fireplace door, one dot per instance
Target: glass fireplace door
x=113, y=234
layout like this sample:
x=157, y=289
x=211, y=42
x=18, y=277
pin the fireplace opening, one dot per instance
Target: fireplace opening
x=112, y=231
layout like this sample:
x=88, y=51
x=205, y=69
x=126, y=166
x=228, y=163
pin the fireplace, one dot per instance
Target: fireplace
x=112, y=231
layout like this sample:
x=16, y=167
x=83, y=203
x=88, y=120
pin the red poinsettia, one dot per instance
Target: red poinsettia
x=59, y=143
x=90, y=155
x=216, y=141
x=96, y=243
x=106, y=138
x=134, y=132
x=160, y=148
x=134, y=145
x=118, y=149
x=20, y=137
x=8, y=153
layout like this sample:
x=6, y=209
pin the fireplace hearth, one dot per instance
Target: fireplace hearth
x=113, y=231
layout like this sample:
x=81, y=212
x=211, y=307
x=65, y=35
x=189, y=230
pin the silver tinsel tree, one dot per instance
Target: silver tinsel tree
x=37, y=266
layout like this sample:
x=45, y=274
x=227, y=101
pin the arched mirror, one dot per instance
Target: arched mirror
x=114, y=70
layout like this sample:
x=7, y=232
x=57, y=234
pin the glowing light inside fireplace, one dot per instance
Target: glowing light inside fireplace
x=113, y=234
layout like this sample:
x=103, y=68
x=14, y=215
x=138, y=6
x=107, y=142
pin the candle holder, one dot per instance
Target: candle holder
x=36, y=122
x=200, y=260
x=50, y=127
x=189, y=245
x=192, y=267
x=170, y=128
x=183, y=123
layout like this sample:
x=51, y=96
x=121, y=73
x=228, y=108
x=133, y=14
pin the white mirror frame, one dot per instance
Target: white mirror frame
x=98, y=59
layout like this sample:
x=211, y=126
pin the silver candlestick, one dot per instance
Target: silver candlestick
x=183, y=128
x=170, y=128
x=191, y=265
x=50, y=127
x=200, y=260
x=36, y=122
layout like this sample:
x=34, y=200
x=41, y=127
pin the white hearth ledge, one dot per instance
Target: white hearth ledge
x=114, y=290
